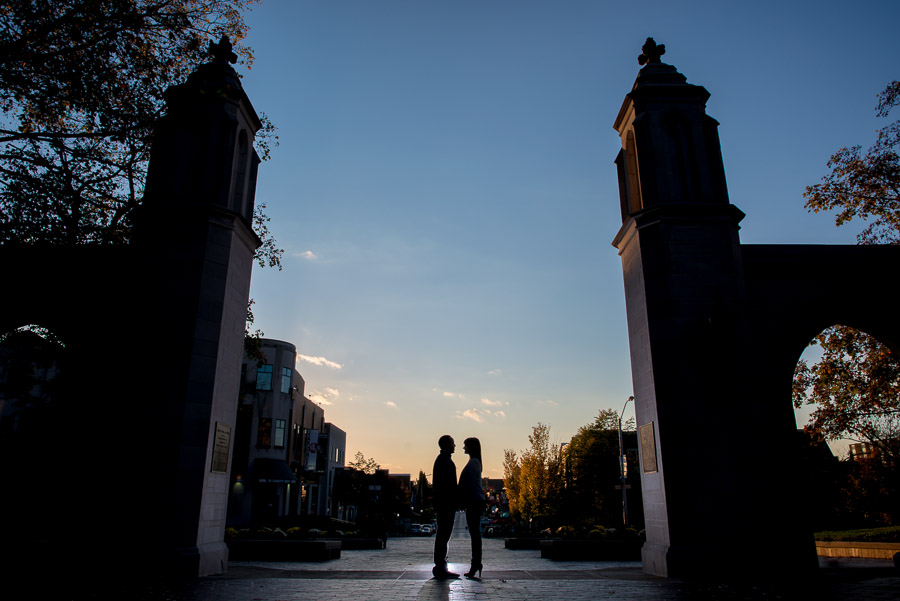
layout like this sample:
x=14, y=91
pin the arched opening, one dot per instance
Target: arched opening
x=31, y=375
x=241, y=167
x=846, y=392
x=635, y=201
x=30, y=372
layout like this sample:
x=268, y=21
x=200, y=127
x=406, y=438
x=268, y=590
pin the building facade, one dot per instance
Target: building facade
x=331, y=456
x=280, y=466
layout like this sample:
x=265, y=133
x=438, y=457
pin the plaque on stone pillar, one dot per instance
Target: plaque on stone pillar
x=648, y=449
x=220, y=449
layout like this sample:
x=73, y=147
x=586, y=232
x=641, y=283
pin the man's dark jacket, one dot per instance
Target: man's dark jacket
x=444, y=483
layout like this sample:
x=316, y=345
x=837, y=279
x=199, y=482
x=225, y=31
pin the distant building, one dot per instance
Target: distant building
x=497, y=501
x=376, y=501
x=406, y=484
x=492, y=484
x=282, y=448
x=331, y=457
x=861, y=451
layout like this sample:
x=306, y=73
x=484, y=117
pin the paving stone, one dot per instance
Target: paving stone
x=402, y=572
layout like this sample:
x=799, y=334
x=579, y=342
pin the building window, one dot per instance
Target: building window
x=280, y=425
x=264, y=377
x=264, y=433
x=285, y=379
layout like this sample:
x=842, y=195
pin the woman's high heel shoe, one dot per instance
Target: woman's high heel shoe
x=476, y=567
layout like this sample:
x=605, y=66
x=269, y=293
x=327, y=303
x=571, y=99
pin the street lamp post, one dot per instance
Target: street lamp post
x=622, y=477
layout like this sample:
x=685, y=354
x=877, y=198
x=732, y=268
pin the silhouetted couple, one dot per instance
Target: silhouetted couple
x=450, y=496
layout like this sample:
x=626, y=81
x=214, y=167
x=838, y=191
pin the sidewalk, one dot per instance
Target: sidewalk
x=402, y=572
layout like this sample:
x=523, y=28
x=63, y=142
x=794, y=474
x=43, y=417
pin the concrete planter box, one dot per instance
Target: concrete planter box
x=284, y=550
x=857, y=549
x=592, y=550
x=357, y=543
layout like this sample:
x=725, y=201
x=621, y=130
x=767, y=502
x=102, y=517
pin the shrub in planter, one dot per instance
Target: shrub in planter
x=235, y=534
x=597, y=532
x=565, y=531
x=269, y=534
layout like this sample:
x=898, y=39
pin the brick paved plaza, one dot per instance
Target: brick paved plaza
x=402, y=572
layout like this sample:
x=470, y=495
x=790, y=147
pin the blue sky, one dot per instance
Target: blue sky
x=445, y=192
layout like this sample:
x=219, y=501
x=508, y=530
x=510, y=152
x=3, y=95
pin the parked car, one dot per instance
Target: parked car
x=421, y=530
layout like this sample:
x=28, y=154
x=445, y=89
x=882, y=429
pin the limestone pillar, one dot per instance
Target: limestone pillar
x=197, y=244
x=708, y=449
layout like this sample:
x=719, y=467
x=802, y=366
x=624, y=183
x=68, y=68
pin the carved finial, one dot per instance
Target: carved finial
x=222, y=52
x=651, y=52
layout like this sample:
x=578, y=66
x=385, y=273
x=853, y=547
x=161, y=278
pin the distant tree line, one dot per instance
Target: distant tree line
x=378, y=498
x=576, y=485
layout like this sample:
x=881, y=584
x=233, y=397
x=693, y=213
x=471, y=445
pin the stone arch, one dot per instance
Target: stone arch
x=796, y=291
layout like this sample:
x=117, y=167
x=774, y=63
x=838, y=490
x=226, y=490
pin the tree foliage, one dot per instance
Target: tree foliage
x=855, y=389
x=534, y=482
x=511, y=472
x=82, y=83
x=360, y=463
x=423, y=492
x=593, y=469
x=593, y=465
x=866, y=184
x=854, y=386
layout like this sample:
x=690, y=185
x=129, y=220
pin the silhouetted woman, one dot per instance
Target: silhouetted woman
x=472, y=499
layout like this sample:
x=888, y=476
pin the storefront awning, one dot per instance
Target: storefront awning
x=272, y=471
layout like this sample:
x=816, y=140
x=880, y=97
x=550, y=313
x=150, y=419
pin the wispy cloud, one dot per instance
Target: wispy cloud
x=454, y=395
x=390, y=403
x=550, y=402
x=308, y=255
x=479, y=415
x=490, y=403
x=495, y=372
x=327, y=397
x=320, y=361
x=472, y=414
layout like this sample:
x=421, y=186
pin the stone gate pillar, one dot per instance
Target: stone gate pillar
x=713, y=488
x=196, y=243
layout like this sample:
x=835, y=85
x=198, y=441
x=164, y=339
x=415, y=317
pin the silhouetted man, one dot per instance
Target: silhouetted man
x=445, y=504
